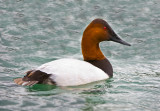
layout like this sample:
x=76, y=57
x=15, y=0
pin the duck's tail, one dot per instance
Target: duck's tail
x=33, y=77
x=20, y=81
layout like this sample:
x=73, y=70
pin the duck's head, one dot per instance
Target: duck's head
x=99, y=30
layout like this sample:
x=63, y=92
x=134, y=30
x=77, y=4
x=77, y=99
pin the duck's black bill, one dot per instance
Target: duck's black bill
x=117, y=39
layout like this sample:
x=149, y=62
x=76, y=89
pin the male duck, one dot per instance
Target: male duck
x=72, y=72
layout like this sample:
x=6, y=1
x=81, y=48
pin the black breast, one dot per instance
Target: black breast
x=104, y=64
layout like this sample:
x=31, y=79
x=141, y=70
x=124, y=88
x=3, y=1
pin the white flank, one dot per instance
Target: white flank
x=72, y=72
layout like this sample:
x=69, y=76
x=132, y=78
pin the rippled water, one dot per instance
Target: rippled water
x=33, y=32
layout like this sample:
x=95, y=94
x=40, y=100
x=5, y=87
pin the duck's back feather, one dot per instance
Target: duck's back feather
x=72, y=72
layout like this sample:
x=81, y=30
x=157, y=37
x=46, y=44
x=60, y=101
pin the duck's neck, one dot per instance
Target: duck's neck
x=91, y=50
x=92, y=54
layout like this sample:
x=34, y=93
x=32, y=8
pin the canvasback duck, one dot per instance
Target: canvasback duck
x=72, y=72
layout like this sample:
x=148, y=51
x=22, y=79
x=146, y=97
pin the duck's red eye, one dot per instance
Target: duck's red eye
x=105, y=28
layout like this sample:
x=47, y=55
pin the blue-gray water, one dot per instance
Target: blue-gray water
x=33, y=32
